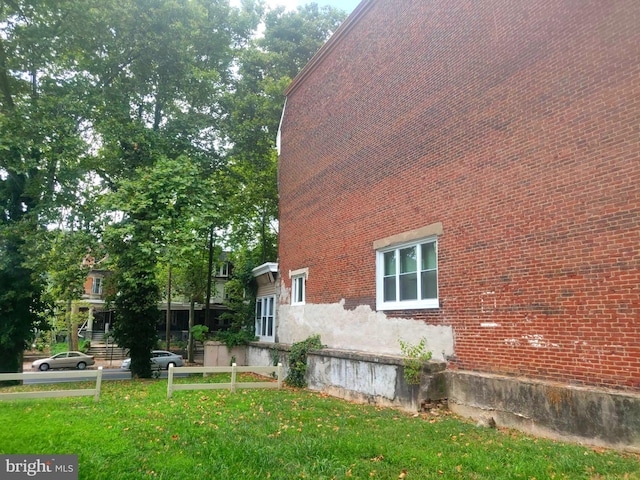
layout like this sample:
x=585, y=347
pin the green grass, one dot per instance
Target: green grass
x=135, y=432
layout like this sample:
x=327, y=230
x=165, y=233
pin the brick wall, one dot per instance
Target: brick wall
x=516, y=125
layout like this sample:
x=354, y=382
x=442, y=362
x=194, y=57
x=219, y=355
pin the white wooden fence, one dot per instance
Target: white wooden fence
x=97, y=374
x=233, y=385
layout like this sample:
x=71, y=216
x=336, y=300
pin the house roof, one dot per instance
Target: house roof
x=268, y=267
x=321, y=54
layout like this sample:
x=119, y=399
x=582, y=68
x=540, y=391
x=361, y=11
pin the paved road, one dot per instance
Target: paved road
x=107, y=374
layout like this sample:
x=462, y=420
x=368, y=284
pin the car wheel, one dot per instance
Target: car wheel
x=82, y=366
x=171, y=364
x=44, y=367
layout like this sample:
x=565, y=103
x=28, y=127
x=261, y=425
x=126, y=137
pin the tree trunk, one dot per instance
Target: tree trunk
x=68, y=321
x=192, y=322
x=207, y=315
x=168, y=321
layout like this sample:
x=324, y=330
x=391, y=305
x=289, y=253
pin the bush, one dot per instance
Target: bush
x=414, y=358
x=298, y=361
x=85, y=345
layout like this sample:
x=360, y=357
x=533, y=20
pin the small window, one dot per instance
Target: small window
x=223, y=270
x=266, y=318
x=407, y=276
x=96, y=288
x=298, y=289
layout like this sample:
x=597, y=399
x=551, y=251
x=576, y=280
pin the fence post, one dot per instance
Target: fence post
x=233, y=378
x=170, y=381
x=98, y=385
x=279, y=375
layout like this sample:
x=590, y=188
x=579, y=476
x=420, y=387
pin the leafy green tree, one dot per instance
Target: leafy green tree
x=162, y=68
x=191, y=282
x=241, y=290
x=293, y=37
x=254, y=108
x=69, y=263
x=40, y=149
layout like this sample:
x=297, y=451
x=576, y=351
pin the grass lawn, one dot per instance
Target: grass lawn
x=135, y=432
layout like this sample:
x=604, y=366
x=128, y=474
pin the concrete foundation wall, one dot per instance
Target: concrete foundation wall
x=370, y=378
x=360, y=329
x=360, y=376
x=217, y=354
x=588, y=415
x=268, y=354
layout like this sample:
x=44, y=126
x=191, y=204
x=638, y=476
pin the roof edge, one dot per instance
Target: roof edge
x=329, y=45
x=265, y=268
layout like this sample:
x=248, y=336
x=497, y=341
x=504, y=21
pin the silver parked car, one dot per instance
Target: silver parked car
x=161, y=358
x=77, y=360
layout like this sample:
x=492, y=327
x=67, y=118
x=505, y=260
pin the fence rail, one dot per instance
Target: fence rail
x=97, y=374
x=233, y=385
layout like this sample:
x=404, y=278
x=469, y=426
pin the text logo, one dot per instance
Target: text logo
x=49, y=467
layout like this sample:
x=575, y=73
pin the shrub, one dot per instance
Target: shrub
x=298, y=361
x=414, y=358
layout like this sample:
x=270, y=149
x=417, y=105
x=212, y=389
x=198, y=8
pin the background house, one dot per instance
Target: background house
x=100, y=318
x=469, y=172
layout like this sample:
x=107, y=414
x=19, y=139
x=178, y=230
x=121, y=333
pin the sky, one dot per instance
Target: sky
x=346, y=5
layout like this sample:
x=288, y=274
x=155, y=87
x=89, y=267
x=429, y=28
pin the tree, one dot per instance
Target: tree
x=162, y=67
x=254, y=107
x=70, y=260
x=191, y=282
x=40, y=145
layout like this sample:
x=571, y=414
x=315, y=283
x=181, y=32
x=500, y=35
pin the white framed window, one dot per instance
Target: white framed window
x=96, y=287
x=223, y=270
x=407, y=276
x=298, y=289
x=266, y=318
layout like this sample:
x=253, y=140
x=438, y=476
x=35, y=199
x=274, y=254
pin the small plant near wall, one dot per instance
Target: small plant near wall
x=298, y=361
x=200, y=333
x=414, y=358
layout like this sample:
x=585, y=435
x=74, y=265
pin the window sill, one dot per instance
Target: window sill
x=409, y=305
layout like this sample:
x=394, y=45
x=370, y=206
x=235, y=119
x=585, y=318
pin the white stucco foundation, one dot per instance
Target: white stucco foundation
x=360, y=329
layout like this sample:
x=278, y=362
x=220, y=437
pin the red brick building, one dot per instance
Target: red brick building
x=470, y=172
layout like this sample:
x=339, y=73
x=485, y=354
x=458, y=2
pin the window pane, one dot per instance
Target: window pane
x=430, y=284
x=390, y=263
x=270, y=327
x=409, y=286
x=408, y=261
x=259, y=308
x=429, y=260
x=390, y=289
x=298, y=290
